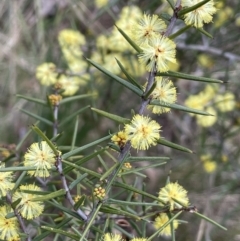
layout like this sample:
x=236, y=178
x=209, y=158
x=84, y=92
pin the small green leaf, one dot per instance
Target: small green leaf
x=19, y=145
x=70, y=117
x=147, y=158
x=15, y=169
x=179, y=32
x=11, y=215
x=80, y=162
x=121, y=81
x=133, y=170
x=83, y=169
x=130, y=41
x=109, y=171
x=37, y=117
x=52, y=195
x=171, y=3
x=189, y=77
x=79, y=149
x=44, y=137
x=116, y=118
x=80, y=202
x=64, y=209
x=75, y=132
x=165, y=16
x=192, y=8
x=15, y=203
x=179, y=107
x=78, y=180
x=114, y=147
x=133, y=189
x=60, y=231
x=126, y=203
x=146, y=95
x=205, y=32
x=19, y=180
x=173, y=145
x=209, y=220
x=129, y=77
x=38, y=101
x=107, y=209
x=77, y=97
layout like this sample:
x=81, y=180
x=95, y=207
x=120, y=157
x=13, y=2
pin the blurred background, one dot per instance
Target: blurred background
x=29, y=33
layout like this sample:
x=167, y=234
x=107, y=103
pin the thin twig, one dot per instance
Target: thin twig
x=60, y=168
x=66, y=188
x=55, y=121
x=19, y=217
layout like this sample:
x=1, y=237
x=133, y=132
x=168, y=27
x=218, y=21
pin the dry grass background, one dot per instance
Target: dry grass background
x=28, y=37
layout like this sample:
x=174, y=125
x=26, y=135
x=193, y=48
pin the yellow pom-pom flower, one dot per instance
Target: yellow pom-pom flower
x=112, y=237
x=173, y=191
x=46, y=74
x=210, y=166
x=149, y=26
x=6, y=184
x=120, y=139
x=160, y=52
x=71, y=38
x=41, y=156
x=142, y=132
x=161, y=220
x=9, y=228
x=225, y=102
x=206, y=121
x=28, y=209
x=70, y=84
x=200, y=15
x=164, y=92
x=195, y=102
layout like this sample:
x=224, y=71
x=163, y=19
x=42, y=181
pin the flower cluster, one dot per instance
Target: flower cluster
x=120, y=139
x=206, y=100
x=41, y=156
x=99, y=192
x=6, y=182
x=54, y=99
x=201, y=15
x=28, y=209
x=165, y=92
x=46, y=73
x=159, y=53
x=9, y=227
x=70, y=42
x=142, y=132
x=149, y=27
x=173, y=195
x=160, y=220
x=208, y=164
